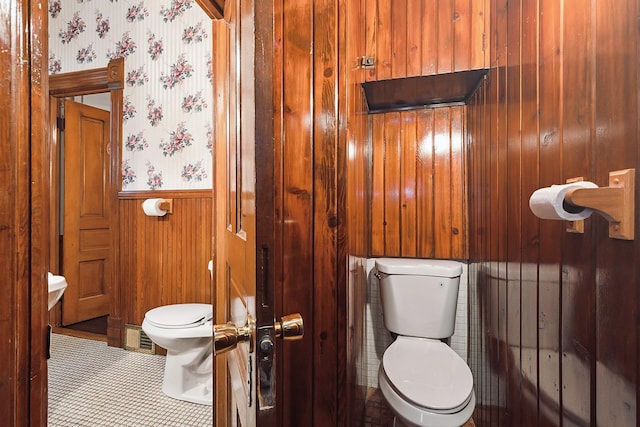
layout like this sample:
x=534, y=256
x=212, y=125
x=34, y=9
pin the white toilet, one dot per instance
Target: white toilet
x=422, y=379
x=185, y=331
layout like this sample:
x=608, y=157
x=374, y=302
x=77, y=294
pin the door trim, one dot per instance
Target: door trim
x=100, y=80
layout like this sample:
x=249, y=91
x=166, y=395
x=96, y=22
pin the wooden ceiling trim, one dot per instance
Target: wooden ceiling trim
x=213, y=8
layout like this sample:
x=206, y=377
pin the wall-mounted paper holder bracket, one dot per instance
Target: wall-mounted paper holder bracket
x=615, y=202
x=576, y=226
x=166, y=205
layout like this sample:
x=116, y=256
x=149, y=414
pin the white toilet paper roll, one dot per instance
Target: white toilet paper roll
x=548, y=202
x=151, y=207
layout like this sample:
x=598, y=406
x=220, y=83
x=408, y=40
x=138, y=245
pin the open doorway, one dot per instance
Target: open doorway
x=86, y=116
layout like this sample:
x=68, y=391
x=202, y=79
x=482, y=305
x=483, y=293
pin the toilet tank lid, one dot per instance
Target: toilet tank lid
x=180, y=315
x=419, y=267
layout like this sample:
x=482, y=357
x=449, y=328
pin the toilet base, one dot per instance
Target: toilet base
x=189, y=376
x=201, y=394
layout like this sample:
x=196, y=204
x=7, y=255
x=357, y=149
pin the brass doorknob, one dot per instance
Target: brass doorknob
x=227, y=336
x=290, y=327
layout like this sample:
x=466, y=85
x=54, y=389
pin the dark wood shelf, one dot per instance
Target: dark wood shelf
x=423, y=91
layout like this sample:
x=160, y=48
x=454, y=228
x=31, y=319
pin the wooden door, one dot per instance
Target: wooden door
x=244, y=220
x=87, y=254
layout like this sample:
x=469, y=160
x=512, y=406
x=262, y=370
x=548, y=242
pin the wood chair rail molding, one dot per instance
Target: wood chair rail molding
x=165, y=194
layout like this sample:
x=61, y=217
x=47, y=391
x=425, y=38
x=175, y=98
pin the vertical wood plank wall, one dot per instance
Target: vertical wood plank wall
x=163, y=260
x=554, y=333
x=418, y=194
x=310, y=155
x=357, y=217
x=423, y=37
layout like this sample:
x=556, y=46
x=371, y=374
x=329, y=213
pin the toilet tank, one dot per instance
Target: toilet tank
x=419, y=296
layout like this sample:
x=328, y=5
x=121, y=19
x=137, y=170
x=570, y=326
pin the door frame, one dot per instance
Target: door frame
x=99, y=80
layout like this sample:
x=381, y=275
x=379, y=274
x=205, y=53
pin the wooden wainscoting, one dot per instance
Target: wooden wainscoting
x=424, y=37
x=418, y=199
x=554, y=333
x=163, y=260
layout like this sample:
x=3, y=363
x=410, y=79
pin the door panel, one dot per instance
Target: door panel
x=244, y=216
x=86, y=227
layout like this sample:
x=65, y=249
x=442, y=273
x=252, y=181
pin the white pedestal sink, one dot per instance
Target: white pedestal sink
x=57, y=285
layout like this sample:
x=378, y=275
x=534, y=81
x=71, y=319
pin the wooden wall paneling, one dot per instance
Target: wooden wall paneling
x=458, y=210
x=408, y=193
x=163, y=260
x=568, y=82
x=578, y=286
x=359, y=141
x=485, y=214
x=297, y=104
x=474, y=144
x=384, y=40
x=378, y=229
x=415, y=27
x=442, y=183
x=485, y=206
x=424, y=37
x=419, y=155
x=616, y=147
x=495, y=231
x=462, y=34
x=499, y=229
x=476, y=331
x=530, y=224
x=399, y=38
x=370, y=32
x=340, y=301
x=127, y=263
x=328, y=367
x=392, y=189
x=424, y=182
x=446, y=36
x=549, y=305
x=499, y=268
x=514, y=202
x=430, y=37
x=356, y=216
x=479, y=31
x=492, y=247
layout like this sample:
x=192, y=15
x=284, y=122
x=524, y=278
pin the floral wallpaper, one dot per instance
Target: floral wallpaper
x=167, y=116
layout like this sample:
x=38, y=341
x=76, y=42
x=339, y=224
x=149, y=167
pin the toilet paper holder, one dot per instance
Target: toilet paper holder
x=616, y=203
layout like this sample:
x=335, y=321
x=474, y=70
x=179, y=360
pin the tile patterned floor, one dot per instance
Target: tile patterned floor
x=93, y=385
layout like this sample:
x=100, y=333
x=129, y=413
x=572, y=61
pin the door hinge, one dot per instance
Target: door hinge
x=367, y=62
x=484, y=42
x=60, y=123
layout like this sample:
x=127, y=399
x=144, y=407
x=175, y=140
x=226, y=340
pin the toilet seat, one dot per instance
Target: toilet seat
x=179, y=316
x=429, y=374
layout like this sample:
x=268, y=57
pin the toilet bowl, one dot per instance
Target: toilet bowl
x=57, y=285
x=426, y=383
x=422, y=379
x=185, y=331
